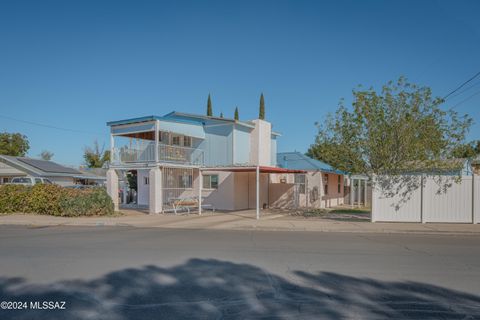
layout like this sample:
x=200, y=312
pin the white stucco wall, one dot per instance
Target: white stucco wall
x=223, y=197
x=236, y=191
x=260, y=143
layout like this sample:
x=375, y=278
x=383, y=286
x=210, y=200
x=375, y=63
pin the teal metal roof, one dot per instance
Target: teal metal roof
x=132, y=120
x=181, y=117
x=175, y=116
x=299, y=161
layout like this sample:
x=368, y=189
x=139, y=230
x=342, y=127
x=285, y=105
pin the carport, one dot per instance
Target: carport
x=257, y=169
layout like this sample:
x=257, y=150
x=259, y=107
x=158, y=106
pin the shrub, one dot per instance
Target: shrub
x=88, y=202
x=13, y=198
x=44, y=199
x=55, y=200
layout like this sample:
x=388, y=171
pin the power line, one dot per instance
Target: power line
x=466, y=99
x=461, y=86
x=50, y=126
x=465, y=90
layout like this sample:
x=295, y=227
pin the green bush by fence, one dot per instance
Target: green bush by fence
x=55, y=200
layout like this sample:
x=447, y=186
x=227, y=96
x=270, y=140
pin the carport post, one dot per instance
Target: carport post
x=358, y=192
x=200, y=185
x=257, y=177
x=365, y=194
x=351, y=192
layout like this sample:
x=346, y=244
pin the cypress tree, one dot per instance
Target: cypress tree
x=221, y=114
x=209, y=106
x=261, y=111
x=236, y=117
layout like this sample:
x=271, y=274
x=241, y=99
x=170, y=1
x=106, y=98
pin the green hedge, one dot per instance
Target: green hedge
x=55, y=200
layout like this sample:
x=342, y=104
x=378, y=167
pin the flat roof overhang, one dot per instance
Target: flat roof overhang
x=262, y=169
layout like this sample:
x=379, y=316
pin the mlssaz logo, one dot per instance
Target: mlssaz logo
x=47, y=305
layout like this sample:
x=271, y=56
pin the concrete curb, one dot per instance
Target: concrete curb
x=253, y=227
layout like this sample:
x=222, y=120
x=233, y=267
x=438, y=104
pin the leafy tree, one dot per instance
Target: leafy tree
x=221, y=114
x=209, y=106
x=13, y=144
x=96, y=157
x=236, y=117
x=261, y=111
x=132, y=180
x=467, y=150
x=46, y=155
x=401, y=128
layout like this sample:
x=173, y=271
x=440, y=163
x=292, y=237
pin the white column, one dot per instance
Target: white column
x=257, y=177
x=112, y=187
x=155, y=191
x=112, y=148
x=124, y=186
x=156, y=139
x=200, y=186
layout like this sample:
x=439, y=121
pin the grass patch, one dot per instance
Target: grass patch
x=351, y=211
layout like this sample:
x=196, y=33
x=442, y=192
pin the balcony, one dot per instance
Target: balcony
x=166, y=153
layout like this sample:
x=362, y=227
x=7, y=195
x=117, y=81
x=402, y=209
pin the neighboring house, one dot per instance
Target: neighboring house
x=21, y=166
x=180, y=156
x=476, y=165
x=320, y=187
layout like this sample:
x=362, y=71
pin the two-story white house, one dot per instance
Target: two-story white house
x=179, y=157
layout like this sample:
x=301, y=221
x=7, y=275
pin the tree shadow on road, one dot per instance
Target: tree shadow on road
x=214, y=289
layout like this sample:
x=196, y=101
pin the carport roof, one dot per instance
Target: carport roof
x=262, y=169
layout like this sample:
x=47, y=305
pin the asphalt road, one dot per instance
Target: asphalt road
x=129, y=273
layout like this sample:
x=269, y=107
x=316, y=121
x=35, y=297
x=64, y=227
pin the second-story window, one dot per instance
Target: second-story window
x=163, y=137
x=176, y=140
x=210, y=181
x=187, y=141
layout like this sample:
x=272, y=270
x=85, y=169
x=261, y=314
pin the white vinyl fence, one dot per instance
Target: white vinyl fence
x=427, y=199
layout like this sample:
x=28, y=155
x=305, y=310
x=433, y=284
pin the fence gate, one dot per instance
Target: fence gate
x=177, y=183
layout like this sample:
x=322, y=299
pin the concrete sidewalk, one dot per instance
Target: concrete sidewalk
x=241, y=220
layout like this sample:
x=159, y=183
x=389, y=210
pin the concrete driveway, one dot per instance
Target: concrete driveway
x=158, y=273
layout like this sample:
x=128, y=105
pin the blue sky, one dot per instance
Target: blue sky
x=79, y=64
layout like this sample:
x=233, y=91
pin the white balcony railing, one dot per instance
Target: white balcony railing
x=184, y=155
x=166, y=153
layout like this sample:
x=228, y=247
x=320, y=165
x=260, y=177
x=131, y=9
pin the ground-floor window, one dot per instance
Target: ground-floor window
x=210, y=181
x=339, y=184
